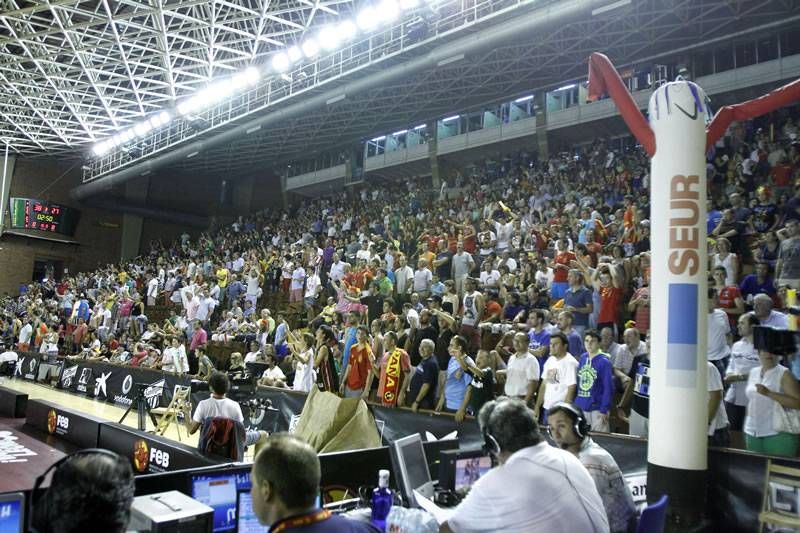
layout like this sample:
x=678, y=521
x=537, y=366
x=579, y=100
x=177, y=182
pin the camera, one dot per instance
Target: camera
x=776, y=341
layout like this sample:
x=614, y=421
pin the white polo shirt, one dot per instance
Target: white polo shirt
x=539, y=488
x=520, y=370
x=718, y=329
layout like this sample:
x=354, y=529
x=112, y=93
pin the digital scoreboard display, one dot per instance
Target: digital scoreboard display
x=29, y=213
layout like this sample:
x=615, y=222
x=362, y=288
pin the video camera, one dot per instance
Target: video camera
x=776, y=341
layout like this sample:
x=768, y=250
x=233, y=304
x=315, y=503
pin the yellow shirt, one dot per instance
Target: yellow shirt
x=222, y=277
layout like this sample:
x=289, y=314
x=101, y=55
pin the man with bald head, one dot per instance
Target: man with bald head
x=627, y=352
x=762, y=308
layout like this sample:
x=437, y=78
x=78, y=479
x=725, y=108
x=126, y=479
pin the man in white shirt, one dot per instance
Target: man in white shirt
x=535, y=487
x=624, y=359
x=404, y=277
x=522, y=371
x=220, y=406
x=152, y=291
x=718, y=434
x=298, y=280
x=719, y=334
x=422, y=279
x=559, y=376
x=25, y=335
x=568, y=428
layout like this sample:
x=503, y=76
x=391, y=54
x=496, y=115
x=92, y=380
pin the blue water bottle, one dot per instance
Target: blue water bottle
x=381, y=500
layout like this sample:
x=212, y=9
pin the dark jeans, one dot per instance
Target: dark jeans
x=721, y=438
x=736, y=415
x=722, y=366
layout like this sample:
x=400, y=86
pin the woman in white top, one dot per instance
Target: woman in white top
x=303, y=361
x=770, y=386
x=725, y=258
x=744, y=358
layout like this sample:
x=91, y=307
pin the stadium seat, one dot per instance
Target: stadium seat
x=653, y=517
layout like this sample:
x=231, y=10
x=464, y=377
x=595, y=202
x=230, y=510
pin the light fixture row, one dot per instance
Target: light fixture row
x=327, y=39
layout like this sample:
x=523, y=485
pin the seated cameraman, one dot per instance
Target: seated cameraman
x=220, y=406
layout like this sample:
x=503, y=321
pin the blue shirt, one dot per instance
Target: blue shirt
x=713, y=219
x=575, y=343
x=579, y=298
x=750, y=285
x=349, y=341
x=595, y=383
x=455, y=385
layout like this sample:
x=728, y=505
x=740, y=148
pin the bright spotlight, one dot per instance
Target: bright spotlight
x=127, y=135
x=347, y=30
x=142, y=128
x=100, y=149
x=280, y=62
x=294, y=54
x=368, y=19
x=388, y=11
x=310, y=48
x=164, y=117
x=252, y=75
x=329, y=38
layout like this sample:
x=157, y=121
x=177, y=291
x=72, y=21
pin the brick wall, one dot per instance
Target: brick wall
x=98, y=231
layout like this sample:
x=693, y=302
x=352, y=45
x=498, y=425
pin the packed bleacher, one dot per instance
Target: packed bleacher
x=507, y=278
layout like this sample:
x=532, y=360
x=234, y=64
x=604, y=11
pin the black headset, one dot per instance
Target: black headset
x=581, y=425
x=38, y=493
x=490, y=444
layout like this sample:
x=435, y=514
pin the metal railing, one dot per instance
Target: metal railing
x=453, y=16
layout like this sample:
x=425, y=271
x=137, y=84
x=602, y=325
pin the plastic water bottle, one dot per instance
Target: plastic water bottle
x=381, y=500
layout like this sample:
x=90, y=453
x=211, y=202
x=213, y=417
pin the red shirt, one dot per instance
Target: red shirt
x=781, y=174
x=360, y=364
x=727, y=299
x=642, y=316
x=491, y=308
x=609, y=304
x=562, y=258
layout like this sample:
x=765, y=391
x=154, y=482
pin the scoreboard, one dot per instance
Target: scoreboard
x=29, y=213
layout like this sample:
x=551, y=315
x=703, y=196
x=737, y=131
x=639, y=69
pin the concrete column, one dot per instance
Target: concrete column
x=135, y=193
x=541, y=125
x=433, y=155
x=284, y=195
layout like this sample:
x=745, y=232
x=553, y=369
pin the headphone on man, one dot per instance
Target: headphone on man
x=39, y=494
x=580, y=424
x=490, y=444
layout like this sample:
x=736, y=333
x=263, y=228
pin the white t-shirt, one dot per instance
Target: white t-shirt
x=504, y=232
x=8, y=356
x=715, y=384
x=211, y=407
x=520, y=370
x=744, y=358
x=422, y=280
x=25, y=334
x=298, y=278
x=539, y=488
x=251, y=357
x=152, y=288
x=718, y=329
x=312, y=282
x=490, y=279
x=558, y=375
x=274, y=373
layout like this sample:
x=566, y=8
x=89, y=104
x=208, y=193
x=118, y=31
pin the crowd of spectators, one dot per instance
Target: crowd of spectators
x=523, y=277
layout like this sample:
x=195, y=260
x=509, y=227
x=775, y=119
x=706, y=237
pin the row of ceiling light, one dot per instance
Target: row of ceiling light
x=328, y=39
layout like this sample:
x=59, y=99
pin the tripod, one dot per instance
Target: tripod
x=142, y=408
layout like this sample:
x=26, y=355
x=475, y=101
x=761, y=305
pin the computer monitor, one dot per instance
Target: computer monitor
x=460, y=469
x=219, y=491
x=246, y=519
x=411, y=468
x=12, y=512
